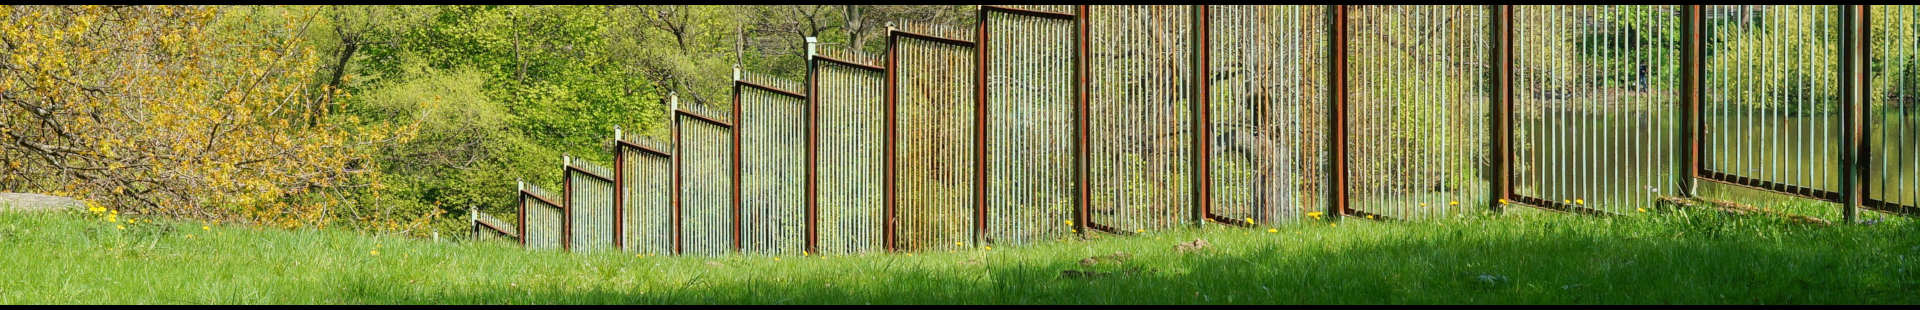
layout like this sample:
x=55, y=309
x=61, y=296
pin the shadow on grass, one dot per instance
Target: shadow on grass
x=1691, y=261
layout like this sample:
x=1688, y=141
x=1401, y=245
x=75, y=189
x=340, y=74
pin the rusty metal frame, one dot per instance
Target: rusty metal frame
x=980, y=128
x=1337, y=110
x=891, y=117
x=734, y=134
x=1854, y=46
x=1202, y=164
x=811, y=194
x=678, y=160
x=1501, y=176
x=1692, y=46
x=1083, y=193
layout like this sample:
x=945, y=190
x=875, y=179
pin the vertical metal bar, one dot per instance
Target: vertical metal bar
x=1853, y=80
x=888, y=170
x=813, y=154
x=1337, y=108
x=1084, y=195
x=1690, y=127
x=980, y=128
x=566, y=204
x=1502, y=130
x=520, y=195
x=1202, y=134
x=734, y=148
x=619, y=196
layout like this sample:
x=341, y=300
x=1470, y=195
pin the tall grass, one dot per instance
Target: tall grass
x=1523, y=256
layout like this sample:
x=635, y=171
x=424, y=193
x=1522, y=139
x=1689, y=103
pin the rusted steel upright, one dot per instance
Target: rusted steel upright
x=813, y=150
x=520, y=196
x=619, y=192
x=1337, y=109
x=1083, y=194
x=1501, y=178
x=1202, y=129
x=887, y=170
x=980, y=128
x=734, y=174
x=1690, y=126
x=673, y=124
x=566, y=203
x=1853, y=83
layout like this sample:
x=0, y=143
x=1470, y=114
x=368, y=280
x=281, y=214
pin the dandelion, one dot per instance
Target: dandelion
x=205, y=228
x=1069, y=222
x=1642, y=210
x=1333, y=224
x=776, y=259
x=1270, y=230
x=189, y=236
x=1369, y=216
x=1503, y=201
x=1139, y=230
x=1564, y=201
x=1453, y=203
x=375, y=252
x=1249, y=220
x=119, y=226
x=956, y=243
x=989, y=248
x=1579, y=201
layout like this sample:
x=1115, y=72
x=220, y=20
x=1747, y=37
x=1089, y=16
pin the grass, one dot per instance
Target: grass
x=1519, y=257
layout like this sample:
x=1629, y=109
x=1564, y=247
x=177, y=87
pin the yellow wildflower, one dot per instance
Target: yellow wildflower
x=189, y=236
x=1579, y=201
x=1566, y=201
x=1453, y=203
x=776, y=259
x=1503, y=201
x=1069, y=222
x=1139, y=230
x=1333, y=224
x=1642, y=210
x=1270, y=230
x=119, y=226
x=1249, y=220
x=989, y=248
x=204, y=227
x=956, y=243
x=375, y=252
x=1369, y=216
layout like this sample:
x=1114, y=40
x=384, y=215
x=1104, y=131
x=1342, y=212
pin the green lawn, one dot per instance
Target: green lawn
x=1523, y=256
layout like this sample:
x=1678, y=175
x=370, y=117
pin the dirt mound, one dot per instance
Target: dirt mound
x=10, y=202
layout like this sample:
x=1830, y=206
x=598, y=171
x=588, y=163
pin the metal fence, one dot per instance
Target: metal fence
x=708, y=212
x=590, y=210
x=542, y=224
x=849, y=153
x=1046, y=121
x=1027, y=96
x=643, y=169
x=773, y=149
x=933, y=138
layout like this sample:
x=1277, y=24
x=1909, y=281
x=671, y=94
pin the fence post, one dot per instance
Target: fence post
x=619, y=193
x=520, y=198
x=889, y=140
x=813, y=150
x=980, y=128
x=734, y=148
x=1691, y=126
x=1500, y=178
x=1337, y=110
x=1202, y=131
x=673, y=124
x=1083, y=192
x=1853, y=83
x=566, y=203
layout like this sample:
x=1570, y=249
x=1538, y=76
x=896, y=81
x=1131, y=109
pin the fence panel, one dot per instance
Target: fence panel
x=1139, y=123
x=706, y=181
x=1029, y=102
x=1266, y=112
x=1893, y=111
x=646, y=205
x=1770, y=104
x=542, y=221
x=488, y=228
x=934, y=148
x=772, y=165
x=589, y=199
x=1417, y=109
x=1595, y=94
x=850, y=206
